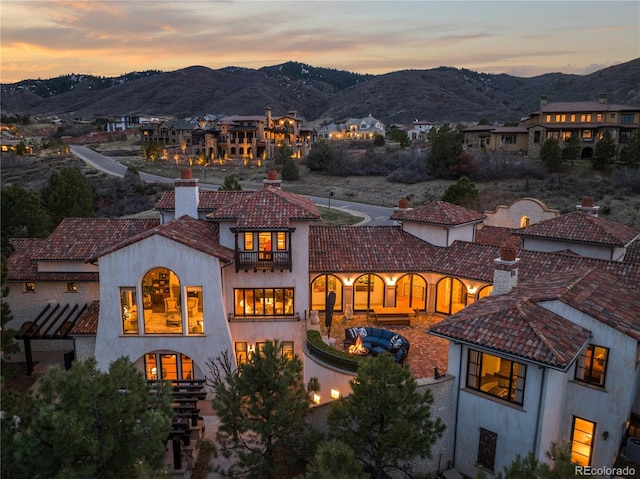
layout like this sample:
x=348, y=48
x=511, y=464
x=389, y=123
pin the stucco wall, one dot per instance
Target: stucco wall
x=591, y=251
x=438, y=235
x=126, y=267
x=509, y=216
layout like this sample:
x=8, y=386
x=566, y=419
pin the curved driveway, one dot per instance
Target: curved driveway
x=372, y=215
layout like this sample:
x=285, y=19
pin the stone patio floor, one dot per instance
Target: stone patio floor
x=426, y=351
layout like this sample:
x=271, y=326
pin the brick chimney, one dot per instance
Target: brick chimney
x=403, y=205
x=505, y=273
x=187, y=194
x=603, y=99
x=272, y=180
x=587, y=206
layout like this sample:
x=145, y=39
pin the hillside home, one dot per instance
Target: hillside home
x=225, y=271
x=487, y=138
x=352, y=129
x=122, y=123
x=419, y=130
x=587, y=120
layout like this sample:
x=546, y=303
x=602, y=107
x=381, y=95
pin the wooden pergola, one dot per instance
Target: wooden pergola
x=55, y=321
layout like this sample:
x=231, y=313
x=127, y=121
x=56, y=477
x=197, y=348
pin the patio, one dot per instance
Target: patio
x=426, y=352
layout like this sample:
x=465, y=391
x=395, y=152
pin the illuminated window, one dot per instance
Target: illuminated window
x=451, y=296
x=264, y=302
x=561, y=118
x=547, y=118
x=495, y=376
x=158, y=366
x=565, y=135
x=29, y=287
x=582, y=441
x=599, y=117
x=72, y=287
x=195, y=318
x=524, y=221
x=585, y=118
x=241, y=352
x=281, y=240
x=248, y=241
x=484, y=292
x=587, y=134
x=129, y=310
x=592, y=365
x=287, y=349
x=162, y=301
x=573, y=118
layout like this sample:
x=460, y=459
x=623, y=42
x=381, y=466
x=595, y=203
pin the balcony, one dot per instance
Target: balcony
x=263, y=260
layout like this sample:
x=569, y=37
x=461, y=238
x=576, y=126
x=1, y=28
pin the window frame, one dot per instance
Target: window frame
x=246, y=305
x=29, y=287
x=474, y=377
x=575, y=442
x=627, y=117
x=72, y=287
x=487, y=446
x=588, y=373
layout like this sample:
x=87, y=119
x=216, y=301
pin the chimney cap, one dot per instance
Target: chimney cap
x=508, y=253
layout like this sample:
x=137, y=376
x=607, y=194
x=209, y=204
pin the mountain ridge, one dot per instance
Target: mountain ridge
x=320, y=95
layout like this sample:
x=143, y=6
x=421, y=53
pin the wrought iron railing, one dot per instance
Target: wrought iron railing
x=263, y=260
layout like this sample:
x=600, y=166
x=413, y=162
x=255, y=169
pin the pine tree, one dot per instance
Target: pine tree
x=385, y=420
x=68, y=194
x=604, y=156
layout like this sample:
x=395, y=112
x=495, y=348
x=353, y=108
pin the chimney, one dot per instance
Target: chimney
x=603, y=99
x=587, y=206
x=267, y=114
x=293, y=113
x=187, y=194
x=544, y=99
x=403, y=205
x=272, y=180
x=505, y=274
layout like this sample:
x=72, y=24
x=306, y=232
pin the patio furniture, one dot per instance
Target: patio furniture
x=379, y=341
x=172, y=312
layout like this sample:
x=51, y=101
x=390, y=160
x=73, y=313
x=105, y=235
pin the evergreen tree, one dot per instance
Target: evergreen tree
x=290, y=170
x=320, y=156
x=8, y=345
x=68, y=194
x=399, y=136
x=262, y=407
x=630, y=154
x=231, y=183
x=604, y=156
x=283, y=153
x=23, y=215
x=530, y=468
x=551, y=155
x=463, y=193
x=571, y=151
x=334, y=460
x=378, y=140
x=385, y=420
x=84, y=423
x=446, y=146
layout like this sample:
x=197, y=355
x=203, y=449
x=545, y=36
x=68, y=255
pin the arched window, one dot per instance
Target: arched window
x=451, y=296
x=368, y=292
x=162, y=302
x=485, y=291
x=411, y=291
x=524, y=221
x=321, y=286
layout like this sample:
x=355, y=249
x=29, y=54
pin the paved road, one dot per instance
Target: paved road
x=372, y=215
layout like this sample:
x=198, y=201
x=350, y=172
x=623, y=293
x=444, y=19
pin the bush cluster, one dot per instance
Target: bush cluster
x=498, y=166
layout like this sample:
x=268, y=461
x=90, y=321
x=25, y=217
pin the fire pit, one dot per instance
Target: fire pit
x=358, y=349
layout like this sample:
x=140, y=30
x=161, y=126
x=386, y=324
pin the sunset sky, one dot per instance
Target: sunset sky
x=45, y=39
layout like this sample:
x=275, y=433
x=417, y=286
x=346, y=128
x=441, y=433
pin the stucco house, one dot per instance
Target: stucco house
x=364, y=128
x=225, y=271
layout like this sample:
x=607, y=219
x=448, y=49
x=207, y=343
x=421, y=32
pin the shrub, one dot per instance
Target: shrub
x=626, y=178
x=499, y=166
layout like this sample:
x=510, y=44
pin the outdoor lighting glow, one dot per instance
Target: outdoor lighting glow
x=391, y=281
x=471, y=289
x=348, y=282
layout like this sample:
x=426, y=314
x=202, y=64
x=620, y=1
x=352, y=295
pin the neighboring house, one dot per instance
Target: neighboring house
x=122, y=123
x=419, y=130
x=243, y=137
x=353, y=129
x=553, y=360
x=223, y=272
x=587, y=120
x=487, y=138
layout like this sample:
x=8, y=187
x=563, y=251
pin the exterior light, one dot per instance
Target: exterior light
x=391, y=281
x=348, y=282
x=472, y=289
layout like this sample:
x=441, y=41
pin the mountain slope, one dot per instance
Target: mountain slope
x=320, y=95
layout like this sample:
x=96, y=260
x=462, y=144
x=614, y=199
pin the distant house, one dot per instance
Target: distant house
x=488, y=138
x=353, y=129
x=122, y=123
x=587, y=120
x=419, y=130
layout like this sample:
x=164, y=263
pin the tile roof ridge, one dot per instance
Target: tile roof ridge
x=538, y=331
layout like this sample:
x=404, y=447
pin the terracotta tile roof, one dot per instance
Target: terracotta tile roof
x=518, y=327
x=21, y=266
x=197, y=234
x=439, y=213
x=497, y=236
x=209, y=200
x=268, y=208
x=581, y=227
x=367, y=249
x=595, y=292
x=77, y=239
x=586, y=106
x=87, y=323
x=633, y=253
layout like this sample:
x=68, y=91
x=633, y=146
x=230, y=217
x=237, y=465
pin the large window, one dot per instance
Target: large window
x=264, y=302
x=582, y=433
x=411, y=291
x=194, y=310
x=626, y=117
x=321, y=287
x=168, y=366
x=495, y=376
x=162, y=302
x=592, y=365
x=368, y=292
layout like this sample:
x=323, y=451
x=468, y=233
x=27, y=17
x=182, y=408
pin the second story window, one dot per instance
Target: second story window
x=592, y=365
x=626, y=117
x=72, y=287
x=29, y=287
x=263, y=250
x=495, y=376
